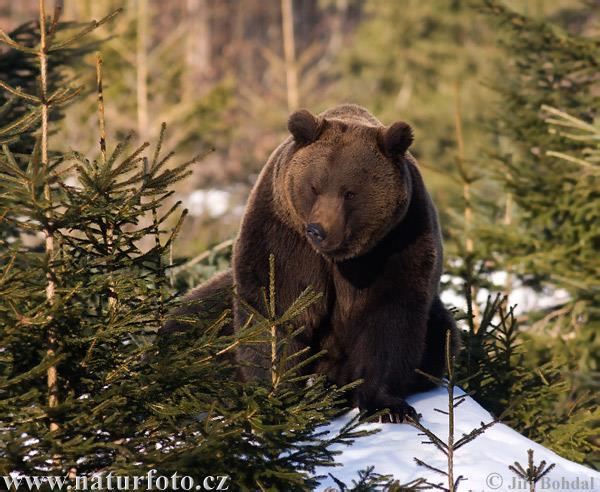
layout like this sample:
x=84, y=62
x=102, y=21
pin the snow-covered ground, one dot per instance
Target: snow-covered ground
x=522, y=297
x=484, y=461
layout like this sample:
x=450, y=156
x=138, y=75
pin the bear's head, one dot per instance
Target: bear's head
x=344, y=185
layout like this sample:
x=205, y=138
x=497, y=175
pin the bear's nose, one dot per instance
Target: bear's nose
x=316, y=232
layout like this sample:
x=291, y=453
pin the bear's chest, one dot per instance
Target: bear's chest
x=298, y=269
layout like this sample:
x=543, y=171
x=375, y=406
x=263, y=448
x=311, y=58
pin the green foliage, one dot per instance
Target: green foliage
x=369, y=480
x=152, y=63
x=533, y=473
x=19, y=70
x=265, y=436
x=107, y=302
x=540, y=373
x=535, y=398
x=20, y=112
x=409, y=61
x=82, y=384
x=554, y=238
x=86, y=276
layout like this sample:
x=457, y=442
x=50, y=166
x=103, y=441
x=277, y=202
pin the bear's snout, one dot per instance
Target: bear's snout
x=326, y=223
x=316, y=233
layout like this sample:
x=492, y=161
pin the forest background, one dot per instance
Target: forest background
x=503, y=98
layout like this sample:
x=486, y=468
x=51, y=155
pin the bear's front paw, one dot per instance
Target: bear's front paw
x=400, y=413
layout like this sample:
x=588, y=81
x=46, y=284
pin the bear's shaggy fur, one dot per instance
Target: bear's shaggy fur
x=342, y=206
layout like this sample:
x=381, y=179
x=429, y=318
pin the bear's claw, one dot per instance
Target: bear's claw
x=398, y=414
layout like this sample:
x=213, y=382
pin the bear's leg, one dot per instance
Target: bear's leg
x=434, y=358
x=384, y=347
x=399, y=410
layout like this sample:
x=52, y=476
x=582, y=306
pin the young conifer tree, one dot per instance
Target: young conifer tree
x=550, y=243
x=84, y=388
x=553, y=240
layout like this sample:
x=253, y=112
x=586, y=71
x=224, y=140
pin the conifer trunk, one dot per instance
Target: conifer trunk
x=197, y=52
x=51, y=373
x=468, y=210
x=289, y=50
x=142, y=68
x=508, y=210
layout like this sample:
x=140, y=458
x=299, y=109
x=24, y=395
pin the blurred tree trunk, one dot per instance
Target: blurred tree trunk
x=142, y=68
x=289, y=50
x=467, y=182
x=196, y=77
x=337, y=28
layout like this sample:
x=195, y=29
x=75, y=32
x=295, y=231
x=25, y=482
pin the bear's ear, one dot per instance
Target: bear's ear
x=304, y=127
x=395, y=140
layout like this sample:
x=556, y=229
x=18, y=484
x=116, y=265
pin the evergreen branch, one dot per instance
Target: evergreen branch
x=303, y=363
x=12, y=179
x=101, y=120
x=177, y=228
x=161, y=136
x=474, y=433
x=574, y=160
x=565, y=119
x=572, y=136
x=21, y=124
x=532, y=474
x=429, y=467
x=490, y=310
x=58, y=10
x=6, y=39
x=518, y=470
x=63, y=96
x=271, y=305
x=8, y=105
x=127, y=163
x=307, y=298
x=92, y=26
x=119, y=149
x=33, y=373
x=51, y=341
x=165, y=216
x=9, y=140
x=466, y=379
x=433, y=379
x=461, y=399
x=441, y=445
x=251, y=310
x=223, y=351
x=10, y=164
x=542, y=470
x=158, y=165
x=16, y=91
x=7, y=266
x=459, y=479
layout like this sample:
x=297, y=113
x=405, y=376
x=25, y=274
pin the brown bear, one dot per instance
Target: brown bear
x=343, y=208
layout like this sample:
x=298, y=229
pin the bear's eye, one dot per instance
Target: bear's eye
x=349, y=195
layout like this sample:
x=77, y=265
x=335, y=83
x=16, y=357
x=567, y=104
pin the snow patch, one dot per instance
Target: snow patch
x=483, y=462
x=212, y=202
x=525, y=298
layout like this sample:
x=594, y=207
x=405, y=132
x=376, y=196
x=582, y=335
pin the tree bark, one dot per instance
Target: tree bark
x=51, y=373
x=198, y=50
x=142, y=68
x=289, y=51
